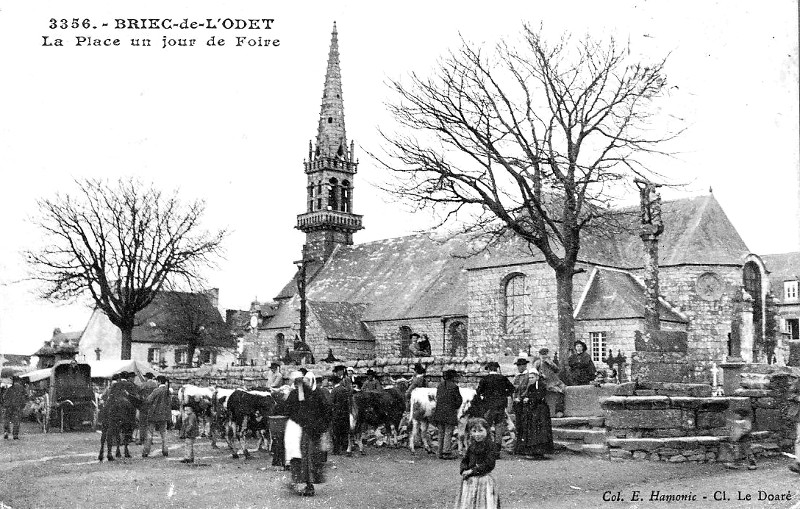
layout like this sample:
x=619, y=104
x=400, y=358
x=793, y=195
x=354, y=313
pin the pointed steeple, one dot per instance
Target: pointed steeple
x=329, y=220
x=331, y=136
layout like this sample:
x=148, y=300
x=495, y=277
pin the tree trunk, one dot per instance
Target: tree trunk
x=127, y=340
x=566, y=322
x=191, y=347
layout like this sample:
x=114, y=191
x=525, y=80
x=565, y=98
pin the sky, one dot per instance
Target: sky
x=231, y=125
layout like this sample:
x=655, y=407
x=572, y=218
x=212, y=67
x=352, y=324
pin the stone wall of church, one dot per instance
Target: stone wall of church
x=709, y=318
x=487, y=309
x=388, y=336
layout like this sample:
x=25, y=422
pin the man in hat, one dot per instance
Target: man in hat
x=493, y=392
x=147, y=387
x=274, y=377
x=372, y=383
x=445, y=415
x=159, y=404
x=417, y=381
x=14, y=399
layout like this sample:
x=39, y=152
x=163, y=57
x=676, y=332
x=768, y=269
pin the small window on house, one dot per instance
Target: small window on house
x=516, y=320
x=793, y=328
x=181, y=356
x=597, y=345
x=153, y=355
x=208, y=357
x=790, y=290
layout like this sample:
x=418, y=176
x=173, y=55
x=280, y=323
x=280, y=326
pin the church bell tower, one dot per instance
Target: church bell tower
x=330, y=168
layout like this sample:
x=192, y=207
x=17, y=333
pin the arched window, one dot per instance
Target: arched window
x=405, y=341
x=319, y=195
x=515, y=297
x=458, y=339
x=280, y=343
x=311, y=197
x=333, y=197
x=345, y=202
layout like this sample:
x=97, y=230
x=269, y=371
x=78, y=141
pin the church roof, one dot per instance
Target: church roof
x=405, y=277
x=696, y=232
x=614, y=294
x=782, y=267
x=331, y=135
x=341, y=320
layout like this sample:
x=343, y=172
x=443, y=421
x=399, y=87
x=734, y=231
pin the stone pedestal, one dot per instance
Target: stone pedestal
x=731, y=374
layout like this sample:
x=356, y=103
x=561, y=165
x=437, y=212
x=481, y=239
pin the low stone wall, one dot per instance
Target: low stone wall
x=768, y=390
x=471, y=371
x=665, y=416
x=699, y=449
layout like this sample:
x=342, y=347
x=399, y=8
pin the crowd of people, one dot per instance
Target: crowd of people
x=318, y=417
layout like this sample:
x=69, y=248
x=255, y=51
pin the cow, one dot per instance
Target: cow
x=423, y=403
x=246, y=411
x=118, y=418
x=200, y=398
x=376, y=408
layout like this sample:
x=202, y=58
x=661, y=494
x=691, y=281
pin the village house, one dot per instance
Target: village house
x=61, y=347
x=163, y=331
x=366, y=300
x=784, y=274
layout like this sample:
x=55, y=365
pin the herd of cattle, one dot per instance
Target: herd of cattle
x=233, y=414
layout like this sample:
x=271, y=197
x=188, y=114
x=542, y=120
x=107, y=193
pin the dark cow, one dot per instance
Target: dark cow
x=118, y=417
x=247, y=411
x=376, y=408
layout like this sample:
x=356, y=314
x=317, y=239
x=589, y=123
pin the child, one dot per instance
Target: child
x=478, y=487
x=740, y=439
x=189, y=431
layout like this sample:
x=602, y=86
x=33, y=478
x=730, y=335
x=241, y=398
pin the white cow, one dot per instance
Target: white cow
x=423, y=403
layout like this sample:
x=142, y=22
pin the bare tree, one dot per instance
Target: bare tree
x=530, y=141
x=121, y=243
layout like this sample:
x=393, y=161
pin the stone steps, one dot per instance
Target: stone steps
x=578, y=422
x=600, y=450
x=586, y=436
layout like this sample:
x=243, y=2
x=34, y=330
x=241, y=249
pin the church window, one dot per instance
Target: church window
x=405, y=341
x=280, y=343
x=333, y=194
x=330, y=120
x=597, y=345
x=790, y=290
x=516, y=295
x=345, y=201
x=458, y=339
x=319, y=195
x=311, y=198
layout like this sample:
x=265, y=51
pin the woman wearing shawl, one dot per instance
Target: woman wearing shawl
x=309, y=417
x=581, y=367
x=534, y=430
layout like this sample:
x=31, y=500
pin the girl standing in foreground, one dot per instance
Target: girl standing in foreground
x=478, y=489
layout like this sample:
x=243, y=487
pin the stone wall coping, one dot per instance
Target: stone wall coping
x=647, y=444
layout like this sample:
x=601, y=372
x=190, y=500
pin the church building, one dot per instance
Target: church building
x=366, y=300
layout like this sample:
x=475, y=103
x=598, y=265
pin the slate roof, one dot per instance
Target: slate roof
x=696, y=232
x=614, y=294
x=413, y=276
x=341, y=320
x=181, y=307
x=11, y=359
x=782, y=267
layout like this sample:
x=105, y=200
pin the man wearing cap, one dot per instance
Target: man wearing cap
x=159, y=413
x=274, y=377
x=493, y=392
x=445, y=415
x=372, y=383
x=14, y=399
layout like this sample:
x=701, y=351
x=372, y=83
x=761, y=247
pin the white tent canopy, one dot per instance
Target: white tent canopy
x=39, y=374
x=105, y=369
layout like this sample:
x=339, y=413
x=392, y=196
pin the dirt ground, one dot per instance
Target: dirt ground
x=61, y=470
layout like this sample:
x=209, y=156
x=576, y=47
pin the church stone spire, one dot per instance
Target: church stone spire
x=331, y=135
x=329, y=220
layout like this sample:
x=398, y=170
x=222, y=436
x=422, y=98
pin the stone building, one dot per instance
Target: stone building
x=784, y=274
x=62, y=346
x=365, y=300
x=162, y=333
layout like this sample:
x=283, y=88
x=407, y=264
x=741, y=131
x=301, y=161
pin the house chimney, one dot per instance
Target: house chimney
x=56, y=331
x=213, y=296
